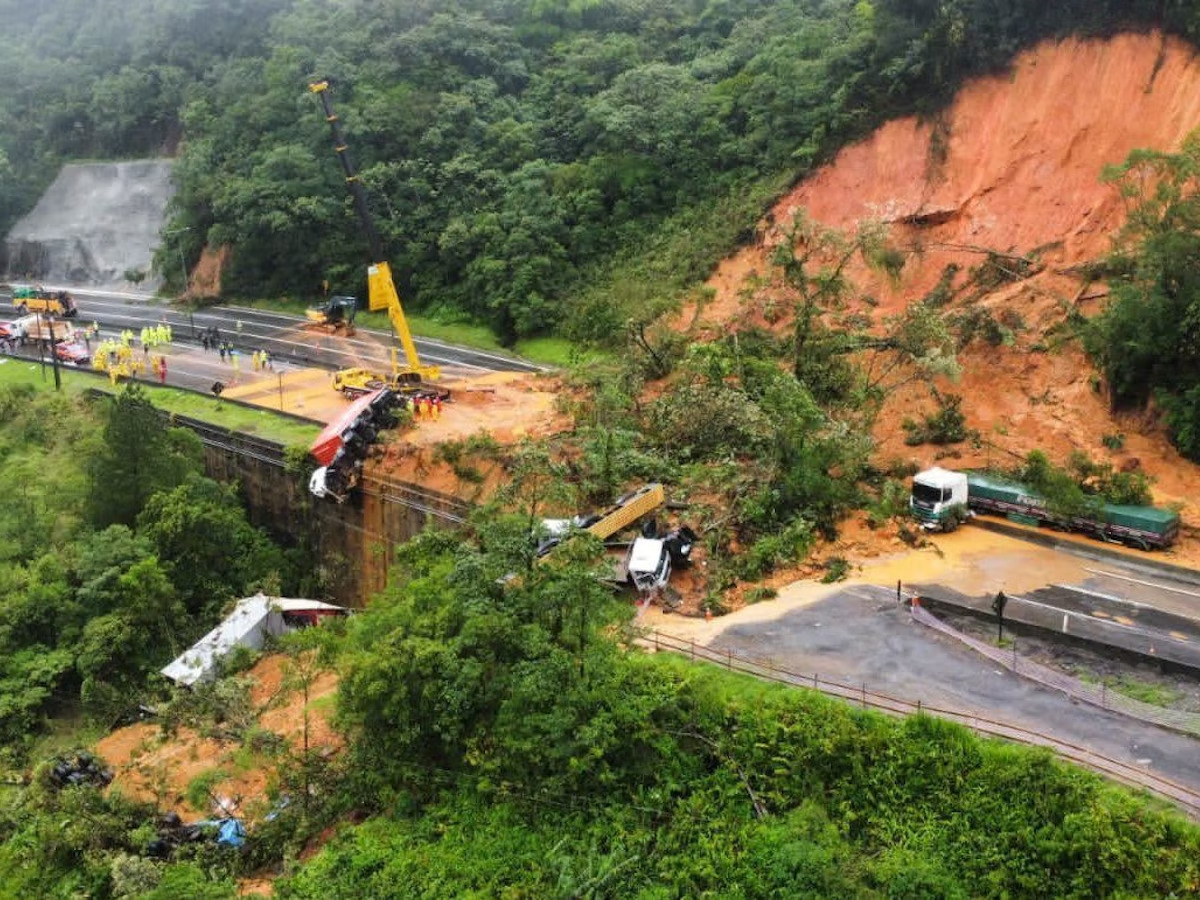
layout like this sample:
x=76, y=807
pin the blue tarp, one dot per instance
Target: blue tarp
x=231, y=833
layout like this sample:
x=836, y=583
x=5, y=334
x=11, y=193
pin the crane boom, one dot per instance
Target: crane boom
x=381, y=288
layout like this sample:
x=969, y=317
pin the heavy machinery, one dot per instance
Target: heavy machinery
x=39, y=300
x=381, y=289
x=333, y=314
x=47, y=331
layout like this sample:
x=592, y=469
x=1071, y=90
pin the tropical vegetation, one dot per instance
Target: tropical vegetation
x=531, y=165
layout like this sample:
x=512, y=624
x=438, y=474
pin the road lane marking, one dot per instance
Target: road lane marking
x=1149, y=584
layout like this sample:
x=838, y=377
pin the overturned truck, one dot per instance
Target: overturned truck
x=341, y=449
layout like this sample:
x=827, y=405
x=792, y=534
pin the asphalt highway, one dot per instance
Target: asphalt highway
x=281, y=335
x=862, y=636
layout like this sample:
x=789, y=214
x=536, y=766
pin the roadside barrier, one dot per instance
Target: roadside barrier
x=1097, y=695
x=1185, y=798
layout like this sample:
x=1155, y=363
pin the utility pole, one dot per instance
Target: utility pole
x=53, y=351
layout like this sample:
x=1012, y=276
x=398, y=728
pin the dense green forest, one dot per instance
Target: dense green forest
x=115, y=554
x=534, y=165
x=503, y=740
x=1146, y=339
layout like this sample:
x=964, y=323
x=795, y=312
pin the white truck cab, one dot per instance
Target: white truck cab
x=648, y=563
x=939, y=499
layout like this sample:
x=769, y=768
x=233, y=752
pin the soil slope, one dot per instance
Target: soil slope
x=1013, y=166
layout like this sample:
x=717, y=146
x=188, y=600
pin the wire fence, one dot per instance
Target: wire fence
x=1097, y=695
x=859, y=694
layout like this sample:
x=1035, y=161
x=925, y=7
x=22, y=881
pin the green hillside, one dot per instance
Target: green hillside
x=533, y=165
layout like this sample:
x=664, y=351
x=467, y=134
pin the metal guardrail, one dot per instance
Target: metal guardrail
x=431, y=503
x=1101, y=696
x=1184, y=797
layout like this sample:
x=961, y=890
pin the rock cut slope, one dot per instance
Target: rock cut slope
x=93, y=224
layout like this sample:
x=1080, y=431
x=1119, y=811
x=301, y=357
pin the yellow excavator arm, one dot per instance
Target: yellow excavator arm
x=382, y=294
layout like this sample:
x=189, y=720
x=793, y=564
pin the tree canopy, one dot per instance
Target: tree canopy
x=524, y=160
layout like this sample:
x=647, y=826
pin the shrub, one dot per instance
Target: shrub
x=836, y=569
x=946, y=425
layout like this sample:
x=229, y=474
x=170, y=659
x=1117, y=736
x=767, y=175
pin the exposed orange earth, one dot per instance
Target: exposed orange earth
x=152, y=766
x=1013, y=166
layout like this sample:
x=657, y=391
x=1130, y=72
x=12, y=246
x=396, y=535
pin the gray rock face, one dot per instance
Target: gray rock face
x=94, y=223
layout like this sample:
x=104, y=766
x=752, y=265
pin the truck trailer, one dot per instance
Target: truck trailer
x=942, y=498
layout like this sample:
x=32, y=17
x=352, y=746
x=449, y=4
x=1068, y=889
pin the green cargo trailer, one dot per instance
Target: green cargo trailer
x=1139, y=526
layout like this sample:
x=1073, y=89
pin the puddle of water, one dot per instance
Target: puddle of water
x=975, y=562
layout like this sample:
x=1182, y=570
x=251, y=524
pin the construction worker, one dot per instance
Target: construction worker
x=167, y=331
x=436, y=406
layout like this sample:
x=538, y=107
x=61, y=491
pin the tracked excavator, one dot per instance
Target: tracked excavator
x=333, y=315
x=381, y=289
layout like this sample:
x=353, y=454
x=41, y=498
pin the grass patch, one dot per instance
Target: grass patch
x=67, y=730
x=556, y=351
x=259, y=422
x=1145, y=691
x=1133, y=688
x=325, y=706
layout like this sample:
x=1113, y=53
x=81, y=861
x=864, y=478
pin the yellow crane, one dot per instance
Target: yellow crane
x=381, y=289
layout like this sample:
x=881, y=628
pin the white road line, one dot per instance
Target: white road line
x=1079, y=588
x=499, y=357
x=1149, y=584
x=379, y=355
x=294, y=321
